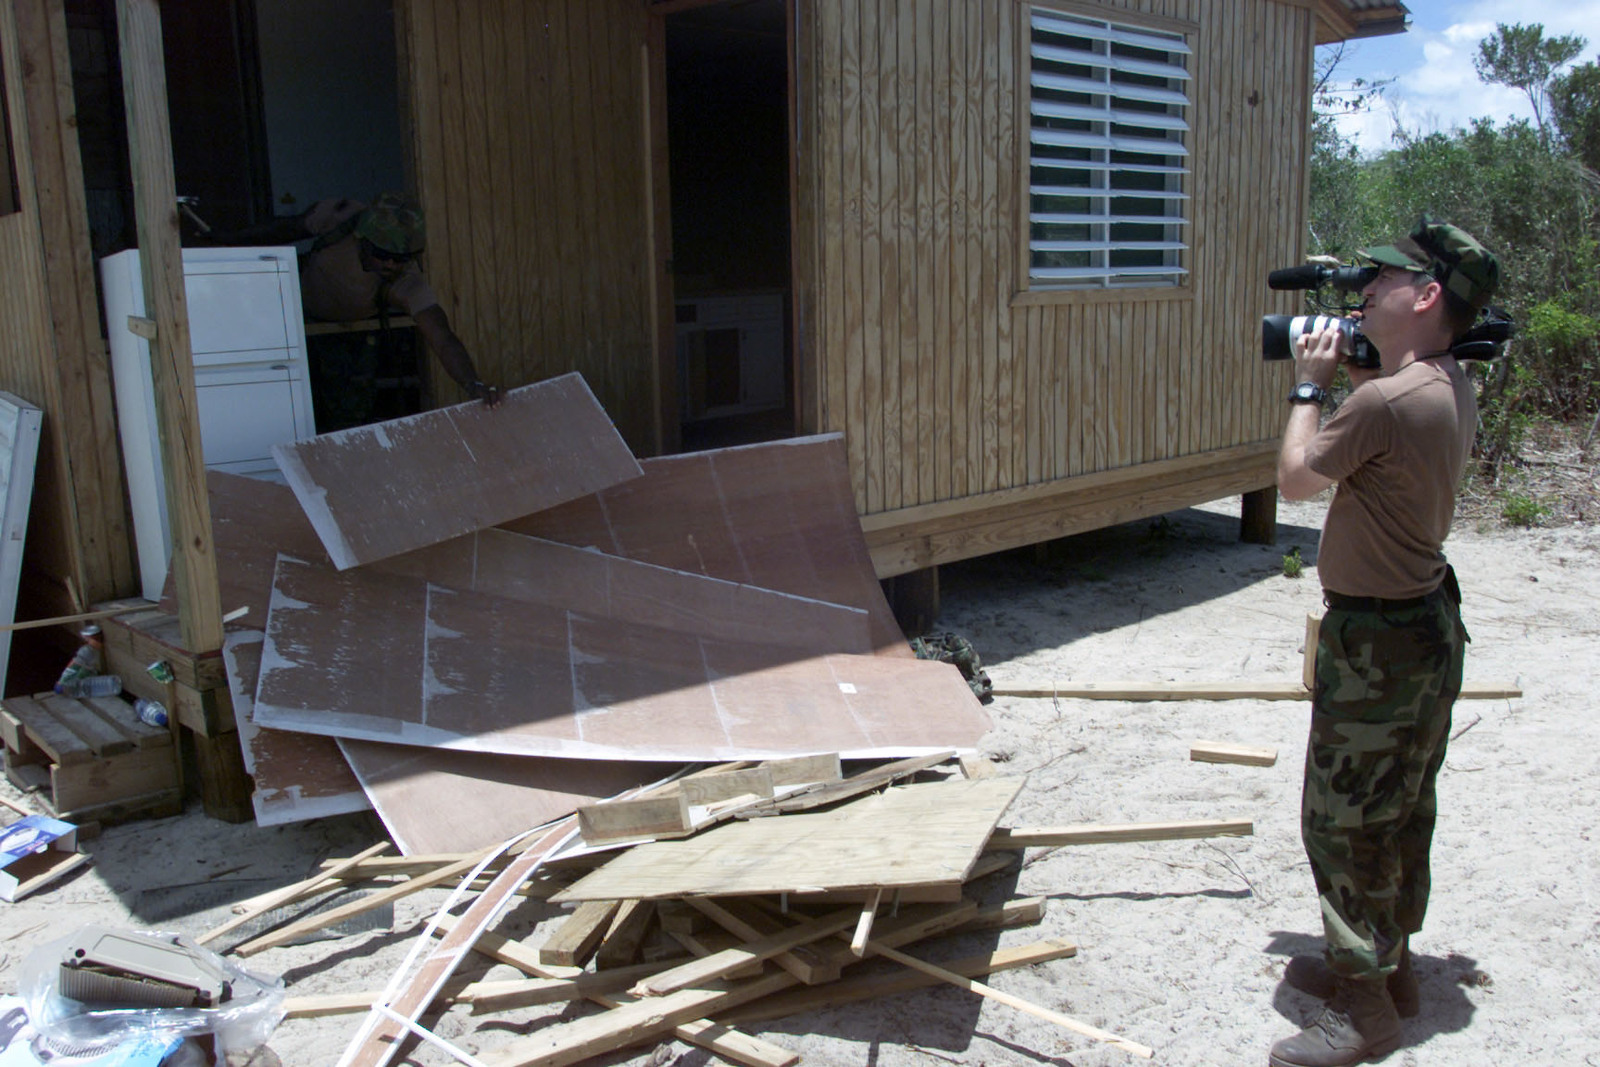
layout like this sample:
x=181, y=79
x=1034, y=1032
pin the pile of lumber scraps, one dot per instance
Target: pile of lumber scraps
x=796, y=902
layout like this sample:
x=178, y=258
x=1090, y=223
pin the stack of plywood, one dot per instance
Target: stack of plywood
x=476, y=620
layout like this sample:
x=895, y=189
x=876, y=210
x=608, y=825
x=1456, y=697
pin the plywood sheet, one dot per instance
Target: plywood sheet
x=297, y=776
x=778, y=515
x=376, y=491
x=302, y=776
x=913, y=835
x=19, y=449
x=468, y=670
x=435, y=801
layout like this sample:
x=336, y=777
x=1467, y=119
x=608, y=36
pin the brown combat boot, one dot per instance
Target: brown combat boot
x=1359, y=1024
x=1311, y=974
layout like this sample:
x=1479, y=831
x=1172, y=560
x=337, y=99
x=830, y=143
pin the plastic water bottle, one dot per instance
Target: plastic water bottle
x=150, y=712
x=88, y=660
x=91, y=685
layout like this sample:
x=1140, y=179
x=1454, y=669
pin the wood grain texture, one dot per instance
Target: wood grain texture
x=373, y=492
x=942, y=828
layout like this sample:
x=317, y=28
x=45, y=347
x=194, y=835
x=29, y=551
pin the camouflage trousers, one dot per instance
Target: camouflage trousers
x=1380, y=719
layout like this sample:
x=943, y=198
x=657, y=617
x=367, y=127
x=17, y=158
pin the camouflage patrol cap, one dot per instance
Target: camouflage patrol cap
x=1450, y=254
x=393, y=222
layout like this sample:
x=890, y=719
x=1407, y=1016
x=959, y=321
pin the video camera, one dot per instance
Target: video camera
x=1486, y=339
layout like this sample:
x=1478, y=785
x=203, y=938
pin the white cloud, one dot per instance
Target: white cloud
x=1433, y=85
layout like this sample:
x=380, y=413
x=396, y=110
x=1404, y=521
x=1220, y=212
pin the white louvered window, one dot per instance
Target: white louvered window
x=1108, y=154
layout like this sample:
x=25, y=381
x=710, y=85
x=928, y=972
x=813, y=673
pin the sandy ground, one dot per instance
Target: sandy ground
x=1182, y=944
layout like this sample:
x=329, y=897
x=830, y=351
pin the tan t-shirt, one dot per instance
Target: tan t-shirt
x=334, y=288
x=1397, y=448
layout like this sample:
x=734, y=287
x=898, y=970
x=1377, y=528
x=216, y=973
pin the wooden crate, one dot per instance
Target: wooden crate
x=91, y=760
x=197, y=696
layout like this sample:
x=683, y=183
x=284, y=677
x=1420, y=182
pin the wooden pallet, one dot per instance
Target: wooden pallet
x=90, y=760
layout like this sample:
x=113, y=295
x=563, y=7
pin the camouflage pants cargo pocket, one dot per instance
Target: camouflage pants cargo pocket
x=1380, y=721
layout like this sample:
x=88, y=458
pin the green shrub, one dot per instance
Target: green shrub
x=1523, y=509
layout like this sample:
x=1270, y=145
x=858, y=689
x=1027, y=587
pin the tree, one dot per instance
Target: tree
x=1523, y=58
x=1575, y=109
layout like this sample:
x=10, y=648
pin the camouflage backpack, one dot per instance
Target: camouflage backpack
x=953, y=648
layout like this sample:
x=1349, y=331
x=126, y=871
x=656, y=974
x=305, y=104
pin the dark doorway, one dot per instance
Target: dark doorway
x=727, y=72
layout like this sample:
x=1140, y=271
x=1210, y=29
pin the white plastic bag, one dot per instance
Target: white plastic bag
x=244, y=1019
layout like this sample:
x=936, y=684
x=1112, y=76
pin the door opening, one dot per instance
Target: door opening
x=728, y=140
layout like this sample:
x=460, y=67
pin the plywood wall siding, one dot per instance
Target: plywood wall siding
x=527, y=120
x=51, y=351
x=947, y=378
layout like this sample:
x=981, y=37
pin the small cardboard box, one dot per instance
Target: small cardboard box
x=33, y=851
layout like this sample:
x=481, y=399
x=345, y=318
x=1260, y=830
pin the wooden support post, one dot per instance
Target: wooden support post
x=155, y=198
x=914, y=599
x=1258, y=516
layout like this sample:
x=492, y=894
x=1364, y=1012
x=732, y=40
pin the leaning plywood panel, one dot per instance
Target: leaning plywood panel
x=779, y=515
x=433, y=801
x=373, y=492
x=300, y=776
x=469, y=670
x=924, y=835
x=297, y=776
x=19, y=448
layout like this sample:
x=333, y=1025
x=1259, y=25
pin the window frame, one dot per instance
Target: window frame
x=1111, y=28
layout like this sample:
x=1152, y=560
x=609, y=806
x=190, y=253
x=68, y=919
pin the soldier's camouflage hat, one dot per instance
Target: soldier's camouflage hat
x=1448, y=253
x=393, y=222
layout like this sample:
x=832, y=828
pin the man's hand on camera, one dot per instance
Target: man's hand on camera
x=1317, y=357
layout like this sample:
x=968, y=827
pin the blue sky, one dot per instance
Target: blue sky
x=1435, y=86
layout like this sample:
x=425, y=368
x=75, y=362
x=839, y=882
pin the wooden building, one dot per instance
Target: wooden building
x=1014, y=251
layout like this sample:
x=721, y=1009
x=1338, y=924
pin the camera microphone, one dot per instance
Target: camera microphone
x=1315, y=276
x=1310, y=276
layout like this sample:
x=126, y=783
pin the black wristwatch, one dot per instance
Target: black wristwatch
x=1309, y=393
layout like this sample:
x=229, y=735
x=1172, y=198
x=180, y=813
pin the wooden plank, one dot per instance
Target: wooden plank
x=1019, y=1003
x=726, y=962
x=373, y=900
x=411, y=991
x=640, y=1019
x=172, y=365
x=120, y=715
x=808, y=964
x=730, y=1044
x=1308, y=668
x=1210, y=691
x=60, y=744
x=1114, y=833
x=103, y=738
x=1226, y=752
x=77, y=786
x=578, y=936
x=869, y=986
x=830, y=792
x=846, y=848
x=804, y=770
x=711, y=788
x=19, y=746
x=620, y=947
x=290, y=893
x=626, y=820
x=540, y=446
x=706, y=943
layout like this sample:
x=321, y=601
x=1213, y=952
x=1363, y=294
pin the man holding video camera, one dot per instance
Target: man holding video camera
x=1389, y=655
